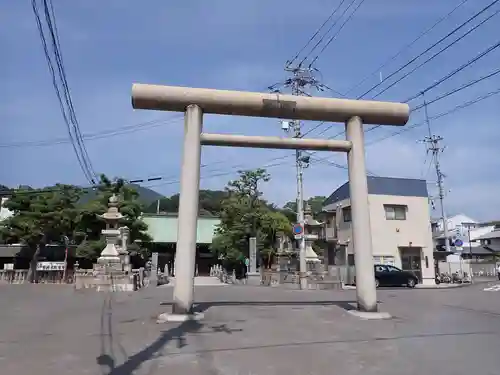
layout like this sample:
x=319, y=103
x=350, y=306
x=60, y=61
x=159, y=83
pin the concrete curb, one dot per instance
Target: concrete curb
x=435, y=287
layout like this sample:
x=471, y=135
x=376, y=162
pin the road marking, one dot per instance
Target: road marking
x=493, y=288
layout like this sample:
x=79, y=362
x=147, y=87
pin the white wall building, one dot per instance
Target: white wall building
x=463, y=233
x=491, y=240
x=399, y=220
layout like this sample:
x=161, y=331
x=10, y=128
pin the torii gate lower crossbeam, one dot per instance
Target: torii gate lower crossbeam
x=196, y=101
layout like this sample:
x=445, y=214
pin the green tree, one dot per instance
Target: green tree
x=315, y=202
x=245, y=214
x=4, y=191
x=41, y=216
x=273, y=224
x=90, y=224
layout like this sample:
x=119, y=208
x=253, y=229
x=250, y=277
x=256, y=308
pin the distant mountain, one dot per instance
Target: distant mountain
x=210, y=202
x=146, y=196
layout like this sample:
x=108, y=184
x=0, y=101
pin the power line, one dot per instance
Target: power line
x=329, y=29
x=290, y=62
x=441, y=51
x=445, y=78
x=97, y=135
x=435, y=117
x=420, y=36
x=56, y=88
x=326, y=160
x=458, y=89
x=459, y=69
x=62, y=88
x=312, y=129
x=52, y=27
x=338, y=31
x=274, y=162
x=430, y=48
x=169, y=180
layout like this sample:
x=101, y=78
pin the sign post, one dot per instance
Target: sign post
x=153, y=276
x=298, y=231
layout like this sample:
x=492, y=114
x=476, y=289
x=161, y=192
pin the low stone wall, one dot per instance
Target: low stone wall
x=82, y=279
x=274, y=278
x=42, y=277
x=113, y=281
x=13, y=276
x=317, y=281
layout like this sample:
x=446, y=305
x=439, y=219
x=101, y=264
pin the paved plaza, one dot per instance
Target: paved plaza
x=53, y=329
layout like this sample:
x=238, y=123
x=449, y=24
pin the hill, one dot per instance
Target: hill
x=146, y=196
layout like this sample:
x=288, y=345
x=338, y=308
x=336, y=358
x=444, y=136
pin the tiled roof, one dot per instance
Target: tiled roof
x=403, y=187
x=490, y=235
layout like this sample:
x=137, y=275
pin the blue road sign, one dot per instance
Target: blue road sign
x=297, y=229
x=459, y=242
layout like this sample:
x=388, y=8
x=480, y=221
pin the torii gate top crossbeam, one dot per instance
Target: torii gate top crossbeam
x=241, y=103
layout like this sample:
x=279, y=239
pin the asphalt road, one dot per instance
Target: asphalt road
x=248, y=330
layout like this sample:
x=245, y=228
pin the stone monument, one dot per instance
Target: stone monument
x=311, y=232
x=253, y=276
x=110, y=257
x=108, y=273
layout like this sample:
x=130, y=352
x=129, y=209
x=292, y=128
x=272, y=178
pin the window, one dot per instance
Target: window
x=346, y=214
x=380, y=268
x=384, y=260
x=393, y=269
x=395, y=212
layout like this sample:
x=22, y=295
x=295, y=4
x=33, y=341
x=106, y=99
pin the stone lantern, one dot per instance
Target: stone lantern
x=110, y=255
x=312, y=229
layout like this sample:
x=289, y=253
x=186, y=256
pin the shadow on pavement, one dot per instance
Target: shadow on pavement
x=344, y=341
x=132, y=363
x=107, y=358
x=346, y=305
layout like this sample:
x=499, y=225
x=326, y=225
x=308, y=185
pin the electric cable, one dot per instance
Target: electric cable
x=407, y=46
x=431, y=47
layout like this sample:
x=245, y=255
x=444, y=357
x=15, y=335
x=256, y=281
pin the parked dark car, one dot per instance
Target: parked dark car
x=386, y=275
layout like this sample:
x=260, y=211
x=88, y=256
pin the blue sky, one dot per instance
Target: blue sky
x=239, y=45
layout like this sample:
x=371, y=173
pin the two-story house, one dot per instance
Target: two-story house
x=491, y=241
x=462, y=233
x=399, y=221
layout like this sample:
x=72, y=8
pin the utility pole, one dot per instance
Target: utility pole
x=433, y=146
x=297, y=125
x=301, y=79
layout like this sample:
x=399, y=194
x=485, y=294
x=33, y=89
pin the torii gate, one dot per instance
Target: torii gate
x=195, y=101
